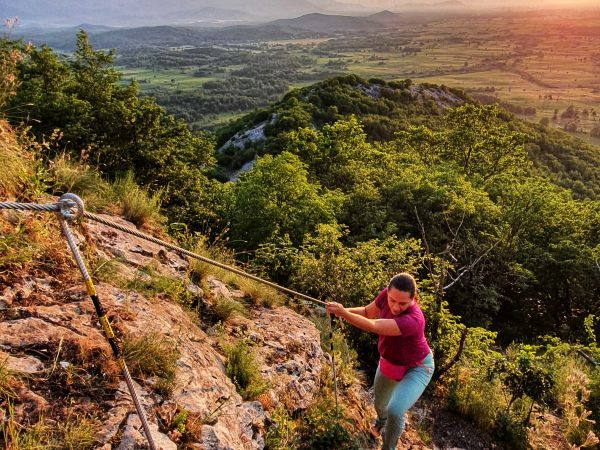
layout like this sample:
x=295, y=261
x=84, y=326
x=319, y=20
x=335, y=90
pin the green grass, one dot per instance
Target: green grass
x=243, y=370
x=149, y=282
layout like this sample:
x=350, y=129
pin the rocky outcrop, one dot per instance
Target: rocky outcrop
x=50, y=332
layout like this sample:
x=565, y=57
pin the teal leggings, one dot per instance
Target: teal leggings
x=394, y=398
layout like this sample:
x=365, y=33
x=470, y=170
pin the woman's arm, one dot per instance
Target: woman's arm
x=370, y=311
x=385, y=327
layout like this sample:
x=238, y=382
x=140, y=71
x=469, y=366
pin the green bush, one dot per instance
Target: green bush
x=282, y=434
x=510, y=430
x=345, y=356
x=477, y=398
x=324, y=428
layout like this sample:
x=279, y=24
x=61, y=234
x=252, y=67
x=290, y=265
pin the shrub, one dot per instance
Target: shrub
x=152, y=355
x=324, y=427
x=345, y=356
x=475, y=397
x=282, y=434
x=510, y=430
x=243, y=370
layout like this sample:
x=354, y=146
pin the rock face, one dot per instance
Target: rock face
x=55, y=332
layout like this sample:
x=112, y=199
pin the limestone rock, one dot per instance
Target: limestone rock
x=50, y=325
x=23, y=364
x=133, y=437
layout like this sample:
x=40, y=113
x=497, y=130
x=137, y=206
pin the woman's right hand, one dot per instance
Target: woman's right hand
x=335, y=308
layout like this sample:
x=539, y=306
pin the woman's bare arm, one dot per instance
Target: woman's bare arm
x=385, y=327
x=371, y=311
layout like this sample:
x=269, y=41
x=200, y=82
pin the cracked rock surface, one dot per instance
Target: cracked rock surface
x=50, y=332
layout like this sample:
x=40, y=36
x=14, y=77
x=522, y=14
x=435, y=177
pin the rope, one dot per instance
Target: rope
x=108, y=332
x=49, y=207
x=182, y=251
x=334, y=375
x=69, y=201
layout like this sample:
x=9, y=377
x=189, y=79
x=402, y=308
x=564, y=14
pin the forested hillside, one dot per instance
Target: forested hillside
x=353, y=181
x=385, y=108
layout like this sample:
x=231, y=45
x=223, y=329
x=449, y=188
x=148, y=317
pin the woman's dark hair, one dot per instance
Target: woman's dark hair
x=404, y=282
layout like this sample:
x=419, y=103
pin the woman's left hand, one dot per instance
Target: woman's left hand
x=336, y=308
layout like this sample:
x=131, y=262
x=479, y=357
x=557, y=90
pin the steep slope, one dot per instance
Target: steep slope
x=48, y=331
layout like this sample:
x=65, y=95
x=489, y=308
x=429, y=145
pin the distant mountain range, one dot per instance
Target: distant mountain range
x=198, y=34
x=159, y=12
x=308, y=25
x=323, y=23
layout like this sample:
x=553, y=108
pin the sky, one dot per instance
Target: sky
x=46, y=13
x=487, y=3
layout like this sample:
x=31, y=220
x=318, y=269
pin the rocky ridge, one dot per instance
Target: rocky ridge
x=49, y=328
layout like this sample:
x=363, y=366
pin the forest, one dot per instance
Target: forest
x=354, y=180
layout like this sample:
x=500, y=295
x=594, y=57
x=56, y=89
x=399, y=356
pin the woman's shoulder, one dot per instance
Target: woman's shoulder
x=415, y=311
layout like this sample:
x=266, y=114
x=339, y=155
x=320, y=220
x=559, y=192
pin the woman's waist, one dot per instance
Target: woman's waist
x=411, y=360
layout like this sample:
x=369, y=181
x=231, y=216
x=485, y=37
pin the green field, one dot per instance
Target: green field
x=171, y=79
x=546, y=61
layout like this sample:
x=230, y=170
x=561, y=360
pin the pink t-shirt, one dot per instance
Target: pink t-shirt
x=411, y=347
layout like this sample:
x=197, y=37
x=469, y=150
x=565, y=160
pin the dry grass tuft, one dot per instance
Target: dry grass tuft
x=80, y=179
x=137, y=205
x=153, y=355
x=16, y=164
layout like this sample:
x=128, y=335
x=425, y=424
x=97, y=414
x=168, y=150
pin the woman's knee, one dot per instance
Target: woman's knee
x=396, y=412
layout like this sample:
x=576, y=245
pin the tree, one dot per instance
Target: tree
x=475, y=140
x=275, y=198
x=112, y=127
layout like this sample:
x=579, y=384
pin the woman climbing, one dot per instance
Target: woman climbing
x=405, y=360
